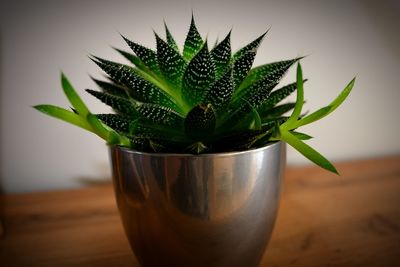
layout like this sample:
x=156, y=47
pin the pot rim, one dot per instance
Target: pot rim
x=218, y=154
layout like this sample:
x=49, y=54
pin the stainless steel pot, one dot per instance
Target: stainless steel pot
x=209, y=210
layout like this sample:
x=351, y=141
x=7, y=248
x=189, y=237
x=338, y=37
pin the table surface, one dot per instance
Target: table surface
x=324, y=220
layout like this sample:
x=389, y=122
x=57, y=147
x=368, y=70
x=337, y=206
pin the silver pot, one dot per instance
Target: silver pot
x=213, y=210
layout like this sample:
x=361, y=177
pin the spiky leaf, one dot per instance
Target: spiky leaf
x=238, y=118
x=221, y=91
x=143, y=127
x=146, y=55
x=264, y=85
x=171, y=63
x=198, y=76
x=260, y=72
x=278, y=95
x=137, y=87
x=250, y=47
x=121, y=105
x=170, y=39
x=256, y=94
x=241, y=67
x=158, y=114
x=200, y=122
x=111, y=88
x=135, y=60
x=157, y=136
x=277, y=110
x=140, y=143
x=277, y=120
x=193, y=41
x=221, y=55
x=117, y=122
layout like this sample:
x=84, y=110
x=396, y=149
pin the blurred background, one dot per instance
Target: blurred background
x=40, y=38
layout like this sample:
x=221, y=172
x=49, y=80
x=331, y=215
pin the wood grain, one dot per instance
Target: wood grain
x=324, y=220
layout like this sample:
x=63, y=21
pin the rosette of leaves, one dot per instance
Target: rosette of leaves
x=198, y=100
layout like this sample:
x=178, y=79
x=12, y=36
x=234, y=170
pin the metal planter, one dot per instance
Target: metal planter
x=213, y=210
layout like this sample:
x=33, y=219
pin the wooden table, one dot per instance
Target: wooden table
x=324, y=220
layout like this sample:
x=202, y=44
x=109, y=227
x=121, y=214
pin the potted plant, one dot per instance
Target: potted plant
x=197, y=145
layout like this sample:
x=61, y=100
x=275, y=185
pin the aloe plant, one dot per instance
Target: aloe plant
x=198, y=100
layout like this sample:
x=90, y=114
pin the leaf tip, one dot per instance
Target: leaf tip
x=123, y=36
x=92, y=58
x=37, y=107
x=63, y=77
x=334, y=170
x=353, y=81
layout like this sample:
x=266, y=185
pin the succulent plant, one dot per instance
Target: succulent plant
x=200, y=100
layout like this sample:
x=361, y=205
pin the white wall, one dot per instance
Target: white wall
x=40, y=38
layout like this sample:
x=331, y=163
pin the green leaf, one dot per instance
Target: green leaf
x=299, y=100
x=99, y=128
x=146, y=55
x=193, y=41
x=121, y=105
x=158, y=114
x=221, y=55
x=301, y=136
x=73, y=97
x=257, y=93
x=111, y=88
x=221, y=91
x=240, y=140
x=133, y=59
x=105, y=132
x=171, y=63
x=256, y=120
x=200, y=122
x=307, y=151
x=319, y=114
x=148, y=129
x=140, y=143
x=117, y=122
x=198, y=76
x=216, y=42
x=158, y=138
x=265, y=84
x=277, y=110
x=241, y=67
x=278, y=95
x=197, y=148
x=277, y=120
x=63, y=114
x=250, y=47
x=170, y=39
x=243, y=117
x=137, y=87
x=260, y=72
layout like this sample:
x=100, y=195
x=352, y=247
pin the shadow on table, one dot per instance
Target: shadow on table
x=102, y=176
x=94, y=181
